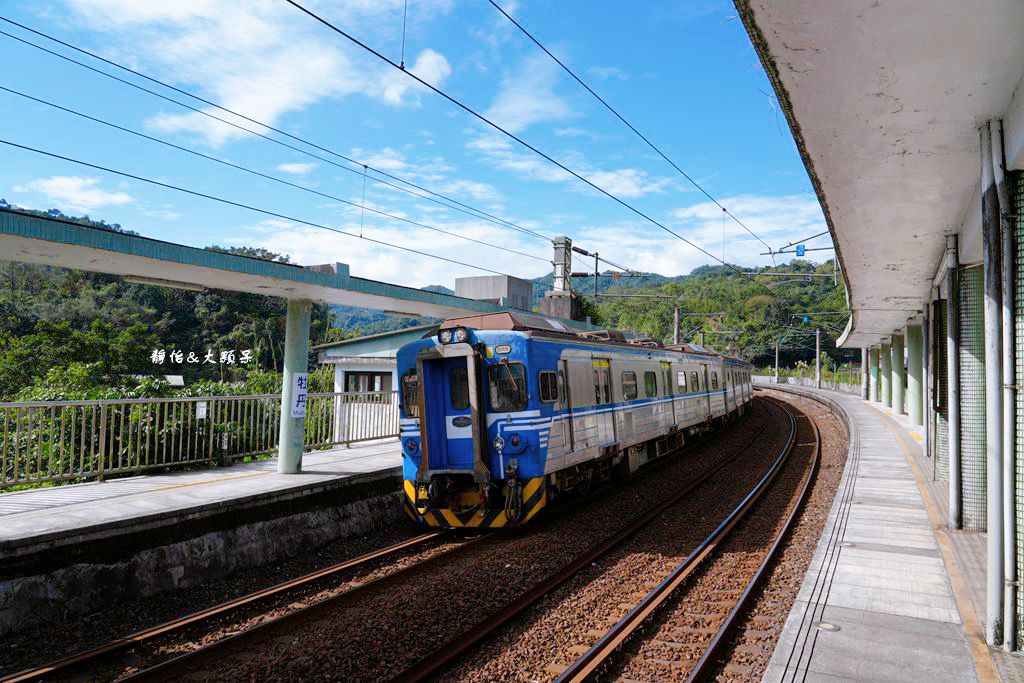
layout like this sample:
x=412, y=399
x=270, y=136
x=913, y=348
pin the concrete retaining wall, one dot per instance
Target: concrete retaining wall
x=60, y=592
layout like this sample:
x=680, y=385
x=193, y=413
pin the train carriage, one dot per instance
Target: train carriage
x=501, y=412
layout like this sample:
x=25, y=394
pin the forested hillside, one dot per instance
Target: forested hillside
x=742, y=316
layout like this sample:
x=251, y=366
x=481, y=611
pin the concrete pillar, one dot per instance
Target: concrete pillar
x=340, y=407
x=899, y=375
x=864, y=379
x=873, y=370
x=885, y=374
x=296, y=360
x=915, y=367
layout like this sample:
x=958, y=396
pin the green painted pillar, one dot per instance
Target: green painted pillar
x=294, y=386
x=885, y=374
x=915, y=383
x=873, y=377
x=899, y=374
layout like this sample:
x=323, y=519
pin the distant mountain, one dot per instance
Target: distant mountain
x=606, y=281
x=364, y=321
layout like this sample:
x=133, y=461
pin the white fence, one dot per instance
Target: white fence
x=73, y=440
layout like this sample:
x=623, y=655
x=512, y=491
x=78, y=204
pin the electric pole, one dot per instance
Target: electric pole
x=776, y=360
x=675, y=323
x=817, y=358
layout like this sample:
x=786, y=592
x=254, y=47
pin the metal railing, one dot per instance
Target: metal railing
x=61, y=440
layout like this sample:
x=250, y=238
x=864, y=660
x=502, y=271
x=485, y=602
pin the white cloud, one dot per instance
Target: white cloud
x=646, y=247
x=297, y=168
x=528, y=96
x=387, y=159
x=261, y=58
x=431, y=66
x=572, y=132
x=633, y=243
x=75, y=193
x=626, y=182
x=605, y=73
x=623, y=182
x=308, y=245
x=477, y=190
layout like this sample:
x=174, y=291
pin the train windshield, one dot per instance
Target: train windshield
x=507, y=387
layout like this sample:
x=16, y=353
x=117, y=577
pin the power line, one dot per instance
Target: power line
x=517, y=139
x=266, y=176
x=628, y=124
x=454, y=204
x=244, y=206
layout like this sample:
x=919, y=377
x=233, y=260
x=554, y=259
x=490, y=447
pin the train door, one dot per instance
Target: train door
x=564, y=407
x=666, y=381
x=730, y=389
x=603, y=399
x=450, y=430
x=706, y=384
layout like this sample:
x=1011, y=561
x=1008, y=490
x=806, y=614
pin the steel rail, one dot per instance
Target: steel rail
x=62, y=666
x=462, y=642
x=603, y=649
x=178, y=666
x=709, y=660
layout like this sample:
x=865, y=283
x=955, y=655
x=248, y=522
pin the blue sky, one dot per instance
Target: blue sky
x=684, y=73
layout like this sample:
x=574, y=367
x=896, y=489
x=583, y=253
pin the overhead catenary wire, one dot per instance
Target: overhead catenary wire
x=808, y=239
x=361, y=206
x=627, y=123
x=432, y=195
x=517, y=139
x=241, y=205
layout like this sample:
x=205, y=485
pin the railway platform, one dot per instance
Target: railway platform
x=71, y=548
x=892, y=593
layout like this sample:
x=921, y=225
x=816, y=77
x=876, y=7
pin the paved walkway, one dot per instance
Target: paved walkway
x=37, y=514
x=884, y=598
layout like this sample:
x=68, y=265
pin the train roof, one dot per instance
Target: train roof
x=522, y=321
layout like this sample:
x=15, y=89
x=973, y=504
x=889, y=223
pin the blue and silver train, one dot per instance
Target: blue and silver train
x=502, y=412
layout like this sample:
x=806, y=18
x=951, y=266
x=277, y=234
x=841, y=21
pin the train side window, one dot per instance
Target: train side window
x=410, y=395
x=695, y=380
x=507, y=387
x=458, y=386
x=548, y=382
x=681, y=381
x=650, y=384
x=714, y=381
x=666, y=381
x=628, y=386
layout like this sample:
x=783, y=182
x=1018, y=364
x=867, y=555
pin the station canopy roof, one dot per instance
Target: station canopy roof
x=885, y=98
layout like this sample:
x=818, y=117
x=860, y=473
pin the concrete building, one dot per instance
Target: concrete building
x=497, y=289
x=909, y=117
x=368, y=363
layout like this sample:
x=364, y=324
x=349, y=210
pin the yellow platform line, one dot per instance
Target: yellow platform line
x=209, y=481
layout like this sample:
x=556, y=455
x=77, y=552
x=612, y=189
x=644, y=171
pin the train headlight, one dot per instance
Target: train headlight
x=445, y=336
x=461, y=335
x=499, y=443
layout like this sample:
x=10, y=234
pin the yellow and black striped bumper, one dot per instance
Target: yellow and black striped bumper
x=534, y=498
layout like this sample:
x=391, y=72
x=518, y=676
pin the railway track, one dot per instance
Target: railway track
x=451, y=649
x=107, y=653
x=668, y=652
x=308, y=628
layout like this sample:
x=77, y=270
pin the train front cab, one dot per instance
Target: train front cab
x=456, y=482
